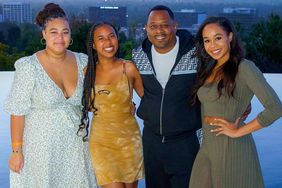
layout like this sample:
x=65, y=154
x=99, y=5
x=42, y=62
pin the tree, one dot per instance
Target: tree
x=264, y=44
x=14, y=35
x=30, y=39
x=8, y=56
x=126, y=49
x=11, y=33
x=2, y=37
x=80, y=29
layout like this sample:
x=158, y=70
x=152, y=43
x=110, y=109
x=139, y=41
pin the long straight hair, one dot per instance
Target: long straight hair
x=228, y=71
x=88, y=96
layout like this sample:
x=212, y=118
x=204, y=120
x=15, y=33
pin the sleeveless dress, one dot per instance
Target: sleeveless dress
x=225, y=162
x=115, y=139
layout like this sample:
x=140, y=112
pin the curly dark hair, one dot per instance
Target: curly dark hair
x=228, y=70
x=88, y=96
x=49, y=12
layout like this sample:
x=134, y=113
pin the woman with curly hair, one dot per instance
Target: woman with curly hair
x=45, y=107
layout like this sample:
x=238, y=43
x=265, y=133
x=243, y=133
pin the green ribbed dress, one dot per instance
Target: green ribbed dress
x=225, y=162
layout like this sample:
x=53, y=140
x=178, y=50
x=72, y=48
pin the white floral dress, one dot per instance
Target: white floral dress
x=54, y=156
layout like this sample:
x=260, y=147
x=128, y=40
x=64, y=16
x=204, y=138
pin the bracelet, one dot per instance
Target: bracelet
x=16, y=151
x=16, y=144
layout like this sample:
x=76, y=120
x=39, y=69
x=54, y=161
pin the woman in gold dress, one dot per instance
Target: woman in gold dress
x=115, y=140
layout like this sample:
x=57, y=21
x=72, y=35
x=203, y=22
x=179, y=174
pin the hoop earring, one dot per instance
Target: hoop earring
x=71, y=42
x=42, y=41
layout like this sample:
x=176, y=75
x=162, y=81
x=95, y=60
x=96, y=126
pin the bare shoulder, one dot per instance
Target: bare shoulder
x=130, y=66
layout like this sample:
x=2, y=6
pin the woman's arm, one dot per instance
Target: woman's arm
x=16, y=161
x=133, y=73
x=255, y=82
x=18, y=104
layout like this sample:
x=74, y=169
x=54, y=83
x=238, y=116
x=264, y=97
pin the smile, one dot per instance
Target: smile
x=109, y=49
x=216, y=51
x=160, y=37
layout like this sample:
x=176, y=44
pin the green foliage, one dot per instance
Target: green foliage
x=2, y=38
x=239, y=28
x=11, y=33
x=125, y=49
x=30, y=39
x=264, y=44
x=8, y=56
x=80, y=29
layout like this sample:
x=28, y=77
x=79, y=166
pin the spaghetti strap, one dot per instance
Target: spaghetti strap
x=123, y=67
x=115, y=120
x=124, y=72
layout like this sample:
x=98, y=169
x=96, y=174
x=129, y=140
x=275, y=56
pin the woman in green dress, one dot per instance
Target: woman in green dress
x=225, y=86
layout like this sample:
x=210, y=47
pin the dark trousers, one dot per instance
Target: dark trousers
x=168, y=161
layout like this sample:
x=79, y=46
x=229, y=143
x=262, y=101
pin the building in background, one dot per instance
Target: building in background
x=245, y=18
x=115, y=15
x=17, y=12
x=189, y=19
x=1, y=15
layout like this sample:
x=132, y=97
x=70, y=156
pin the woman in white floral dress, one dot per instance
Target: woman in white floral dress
x=45, y=108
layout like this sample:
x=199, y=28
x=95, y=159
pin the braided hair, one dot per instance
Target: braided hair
x=88, y=96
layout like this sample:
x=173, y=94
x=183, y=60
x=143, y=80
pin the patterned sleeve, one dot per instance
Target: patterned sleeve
x=83, y=58
x=18, y=101
x=264, y=92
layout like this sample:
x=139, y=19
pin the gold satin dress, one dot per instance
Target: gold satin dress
x=115, y=139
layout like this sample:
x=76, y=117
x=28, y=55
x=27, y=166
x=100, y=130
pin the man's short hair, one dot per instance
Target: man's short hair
x=162, y=7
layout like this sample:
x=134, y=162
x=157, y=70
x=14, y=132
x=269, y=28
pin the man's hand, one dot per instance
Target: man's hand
x=247, y=112
x=132, y=108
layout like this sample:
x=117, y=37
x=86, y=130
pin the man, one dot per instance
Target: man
x=168, y=69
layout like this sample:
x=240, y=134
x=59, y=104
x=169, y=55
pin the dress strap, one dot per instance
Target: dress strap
x=123, y=67
x=124, y=72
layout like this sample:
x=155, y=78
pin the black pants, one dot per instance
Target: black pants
x=168, y=162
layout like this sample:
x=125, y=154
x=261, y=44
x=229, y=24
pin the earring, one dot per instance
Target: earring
x=42, y=41
x=71, y=42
